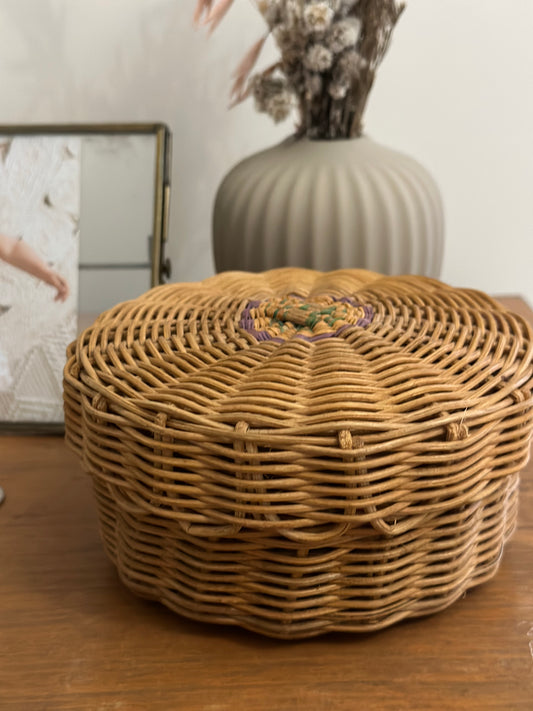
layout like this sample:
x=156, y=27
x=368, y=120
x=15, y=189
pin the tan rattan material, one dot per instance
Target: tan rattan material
x=295, y=452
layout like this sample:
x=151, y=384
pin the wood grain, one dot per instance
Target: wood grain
x=73, y=638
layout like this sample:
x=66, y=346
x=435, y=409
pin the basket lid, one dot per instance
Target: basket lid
x=302, y=401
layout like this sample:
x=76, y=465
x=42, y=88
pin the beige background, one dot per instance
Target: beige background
x=455, y=91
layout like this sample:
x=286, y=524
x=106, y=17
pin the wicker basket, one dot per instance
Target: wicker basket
x=296, y=452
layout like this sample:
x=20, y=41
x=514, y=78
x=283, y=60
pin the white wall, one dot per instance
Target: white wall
x=455, y=91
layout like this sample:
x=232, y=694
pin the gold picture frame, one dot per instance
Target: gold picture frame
x=57, y=185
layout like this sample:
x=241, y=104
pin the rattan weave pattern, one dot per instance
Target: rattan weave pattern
x=297, y=452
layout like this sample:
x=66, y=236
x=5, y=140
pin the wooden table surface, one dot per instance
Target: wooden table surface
x=73, y=638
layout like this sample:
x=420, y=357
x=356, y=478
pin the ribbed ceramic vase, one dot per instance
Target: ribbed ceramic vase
x=329, y=205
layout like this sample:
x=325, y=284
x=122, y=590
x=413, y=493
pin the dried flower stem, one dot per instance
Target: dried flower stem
x=378, y=20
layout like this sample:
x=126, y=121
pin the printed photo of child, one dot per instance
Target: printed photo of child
x=39, y=248
x=18, y=254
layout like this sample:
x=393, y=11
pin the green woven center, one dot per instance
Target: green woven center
x=284, y=318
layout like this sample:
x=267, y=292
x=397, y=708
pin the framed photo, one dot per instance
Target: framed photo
x=83, y=225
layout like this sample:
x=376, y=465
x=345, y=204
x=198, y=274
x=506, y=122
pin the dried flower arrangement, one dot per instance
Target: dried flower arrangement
x=330, y=51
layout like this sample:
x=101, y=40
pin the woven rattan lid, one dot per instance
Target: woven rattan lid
x=302, y=402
